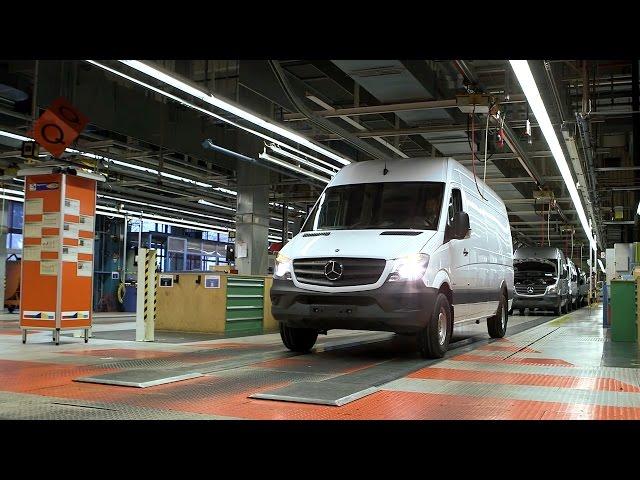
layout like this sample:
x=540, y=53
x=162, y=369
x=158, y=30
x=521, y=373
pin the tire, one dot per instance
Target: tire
x=298, y=339
x=433, y=340
x=11, y=309
x=522, y=312
x=497, y=325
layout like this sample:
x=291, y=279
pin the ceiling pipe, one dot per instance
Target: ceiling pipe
x=572, y=150
x=585, y=140
x=554, y=90
x=467, y=72
x=209, y=145
x=316, y=120
x=510, y=138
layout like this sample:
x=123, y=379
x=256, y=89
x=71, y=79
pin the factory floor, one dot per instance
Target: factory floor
x=545, y=368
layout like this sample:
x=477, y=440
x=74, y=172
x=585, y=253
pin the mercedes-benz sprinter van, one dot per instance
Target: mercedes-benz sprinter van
x=573, y=285
x=541, y=279
x=407, y=246
x=583, y=288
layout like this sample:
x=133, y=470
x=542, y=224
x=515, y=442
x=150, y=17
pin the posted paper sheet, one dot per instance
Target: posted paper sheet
x=33, y=206
x=69, y=254
x=49, y=267
x=70, y=230
x=32, y=230
x=86, y=223
x=51, y=220
x=31, y=252
x=85, y=245
x=85, y=269
x=71, y=206
x=50, y=243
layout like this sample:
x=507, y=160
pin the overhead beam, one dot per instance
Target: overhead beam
x=510, y=180
x=388, y=108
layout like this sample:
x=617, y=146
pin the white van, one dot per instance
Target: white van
x=573, y=284
x=541, y=279
x=408, y=246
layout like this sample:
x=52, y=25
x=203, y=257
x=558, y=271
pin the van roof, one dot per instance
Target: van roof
x=538, y=252
x=401, y=170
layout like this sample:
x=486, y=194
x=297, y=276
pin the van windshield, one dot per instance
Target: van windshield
x=405, y=205
x=527, y=268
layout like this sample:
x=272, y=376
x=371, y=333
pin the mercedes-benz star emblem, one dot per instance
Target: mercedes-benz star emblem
x=529, y=289
x=333, y=270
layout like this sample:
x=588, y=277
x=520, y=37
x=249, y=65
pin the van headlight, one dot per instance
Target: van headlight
x=282, y=268
x=411, y=267
x=552, y=288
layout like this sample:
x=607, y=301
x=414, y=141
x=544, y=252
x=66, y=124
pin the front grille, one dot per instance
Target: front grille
x=355, y=271
x=537, y=289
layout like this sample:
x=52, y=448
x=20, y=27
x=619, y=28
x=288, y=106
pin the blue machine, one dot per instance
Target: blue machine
x=130, y=298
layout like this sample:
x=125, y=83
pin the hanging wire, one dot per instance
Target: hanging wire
x=471, y=139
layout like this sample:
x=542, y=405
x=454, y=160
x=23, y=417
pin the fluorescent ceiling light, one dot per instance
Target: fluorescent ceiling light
x=206, y=202
x=167, y=220
x=303, y=161
x=162, y=207
x=279, y=219
x=601, y=266
x=148, y=170
x=275, y=204
x=332, y=172
x=525, y=78
x=113, y=212
x=15, y=136
x=228, y=107
x=199, y=109
x=282, y=163
x=128, y=165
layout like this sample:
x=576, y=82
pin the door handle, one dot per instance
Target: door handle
x=465, y=252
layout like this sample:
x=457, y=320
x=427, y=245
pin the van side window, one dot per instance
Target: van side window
x=455, y=204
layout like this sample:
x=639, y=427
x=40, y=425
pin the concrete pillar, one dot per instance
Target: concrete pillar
x=252, y=219
x=252, y=216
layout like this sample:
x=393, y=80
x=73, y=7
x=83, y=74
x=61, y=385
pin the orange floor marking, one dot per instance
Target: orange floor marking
x=30, y=376
x=290, y=362
x=507, y=348
x=205, y=395
x=583, y=383
x=127, y=353
x=469, y=357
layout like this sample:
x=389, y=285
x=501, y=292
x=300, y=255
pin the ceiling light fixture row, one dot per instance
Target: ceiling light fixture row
x=224, y=105
x=528, y=84
x=217, y=102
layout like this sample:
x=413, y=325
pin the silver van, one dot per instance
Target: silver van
x=541, y=280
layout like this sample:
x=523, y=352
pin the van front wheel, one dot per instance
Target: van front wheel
x=433, y=340
x=497, y=325
x=298, y=339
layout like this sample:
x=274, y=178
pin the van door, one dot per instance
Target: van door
x=459, y=260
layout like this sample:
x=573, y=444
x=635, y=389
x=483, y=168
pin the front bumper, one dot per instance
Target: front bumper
x=551, y=300
x=401, y=307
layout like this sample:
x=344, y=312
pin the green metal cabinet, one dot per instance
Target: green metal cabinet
x=623, y=311
x=245, y=305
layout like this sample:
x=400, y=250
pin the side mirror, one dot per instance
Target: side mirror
x=460, y=226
